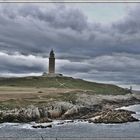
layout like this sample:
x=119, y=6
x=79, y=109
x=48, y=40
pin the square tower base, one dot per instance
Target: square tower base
x=52, y=74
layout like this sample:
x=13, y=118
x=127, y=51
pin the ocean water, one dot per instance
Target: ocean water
x=75, y=129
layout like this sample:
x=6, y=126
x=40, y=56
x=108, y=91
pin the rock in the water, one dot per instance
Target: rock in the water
x=114, y=116
x=42, y=126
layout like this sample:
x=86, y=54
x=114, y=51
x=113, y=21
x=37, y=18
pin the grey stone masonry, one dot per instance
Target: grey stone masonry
x=52, y=62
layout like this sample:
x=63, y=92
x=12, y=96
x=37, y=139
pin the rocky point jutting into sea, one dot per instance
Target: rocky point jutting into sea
x=93, y=108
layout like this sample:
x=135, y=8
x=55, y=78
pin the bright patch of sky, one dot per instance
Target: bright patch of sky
x=105, y=13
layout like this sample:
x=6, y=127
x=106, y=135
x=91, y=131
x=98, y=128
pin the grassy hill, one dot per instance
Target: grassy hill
x=62, y=82
x=39, y=91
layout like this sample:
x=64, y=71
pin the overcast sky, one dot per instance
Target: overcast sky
x=98, y=42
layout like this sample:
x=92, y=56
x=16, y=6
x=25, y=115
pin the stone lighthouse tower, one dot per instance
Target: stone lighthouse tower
x=51, y=69
x=52, y=62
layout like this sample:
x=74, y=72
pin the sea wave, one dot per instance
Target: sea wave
x=29, y=125
x=135, y=108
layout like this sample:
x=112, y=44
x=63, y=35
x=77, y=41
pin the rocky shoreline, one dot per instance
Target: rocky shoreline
x=102, y=111
x=113, y=116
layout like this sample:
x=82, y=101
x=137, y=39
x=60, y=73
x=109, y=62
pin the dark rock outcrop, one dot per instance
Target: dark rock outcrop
x=42, y=126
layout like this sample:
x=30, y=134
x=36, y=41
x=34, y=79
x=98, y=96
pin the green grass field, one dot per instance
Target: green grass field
x=62, y=82
x=21, y=92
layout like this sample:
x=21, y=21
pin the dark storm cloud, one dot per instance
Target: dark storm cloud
x=31, y=31
x=57, y=17
x=83, y=49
